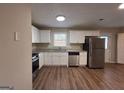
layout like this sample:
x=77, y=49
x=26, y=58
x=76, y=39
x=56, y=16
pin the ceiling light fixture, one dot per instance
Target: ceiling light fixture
x=121, y=6
x=60, y=18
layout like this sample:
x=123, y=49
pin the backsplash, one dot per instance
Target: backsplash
x=43, y=46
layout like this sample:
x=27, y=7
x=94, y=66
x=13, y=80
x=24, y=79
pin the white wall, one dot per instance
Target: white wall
x=15, y=56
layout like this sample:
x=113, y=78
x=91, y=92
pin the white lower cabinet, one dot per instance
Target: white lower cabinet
x=47, y=58
x=59, y=58
x=41, y=59
x=83, y=58
x=54, y=58
x=64, y=60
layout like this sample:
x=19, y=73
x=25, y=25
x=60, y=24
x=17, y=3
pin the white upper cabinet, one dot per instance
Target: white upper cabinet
x=44, y=36
x=40, y=36
x=35, y=35
x=76, y=37
x=91, y=33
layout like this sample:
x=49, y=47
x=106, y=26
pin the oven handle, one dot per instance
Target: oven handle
x=35, y=59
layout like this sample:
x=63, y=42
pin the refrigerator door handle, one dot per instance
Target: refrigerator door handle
x=91, y=50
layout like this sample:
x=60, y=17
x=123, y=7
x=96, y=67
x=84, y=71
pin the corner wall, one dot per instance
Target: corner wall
x=15, y=56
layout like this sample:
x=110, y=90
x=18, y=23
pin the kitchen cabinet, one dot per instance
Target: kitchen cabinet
x=40, y=36
x=76, y=37
x=35, y=35
x=44, y=36
x=64, y=59
x=55, y=58
x=83, y=58
x=47, y=58
x=91, y=33
x=60, y=58
x=41, y=59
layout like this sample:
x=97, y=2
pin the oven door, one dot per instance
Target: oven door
x=35, y=65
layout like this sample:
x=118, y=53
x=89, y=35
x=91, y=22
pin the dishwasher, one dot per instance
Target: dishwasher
x=73, y=58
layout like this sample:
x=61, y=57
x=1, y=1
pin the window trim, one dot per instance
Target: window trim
x=59, y=32
x=65, y=39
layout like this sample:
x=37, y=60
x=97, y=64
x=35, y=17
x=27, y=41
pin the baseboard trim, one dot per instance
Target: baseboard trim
x=111, y=62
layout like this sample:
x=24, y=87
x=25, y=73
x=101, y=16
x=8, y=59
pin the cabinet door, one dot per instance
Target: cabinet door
x=73, y=37
x=76, y=37
x=35, y=35
x=92, y=33
x=44, y=36
x=64, y=59
x=59, y=58
x=81, y=37
x=83, y=58
x=88, y=33
x=47, y=58
x=56, y=58
x=41, y=60
x=50, y=58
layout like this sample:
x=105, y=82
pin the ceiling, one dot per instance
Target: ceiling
x=77, y=15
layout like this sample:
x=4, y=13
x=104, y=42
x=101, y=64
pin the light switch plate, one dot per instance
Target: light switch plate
x=16, y=36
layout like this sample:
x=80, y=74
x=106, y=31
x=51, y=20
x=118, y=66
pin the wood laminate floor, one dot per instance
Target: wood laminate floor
x=80, y=78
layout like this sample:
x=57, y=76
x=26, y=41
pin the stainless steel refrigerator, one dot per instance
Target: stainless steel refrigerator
x=95, y=47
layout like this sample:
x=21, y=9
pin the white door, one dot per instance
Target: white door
x=120, y=48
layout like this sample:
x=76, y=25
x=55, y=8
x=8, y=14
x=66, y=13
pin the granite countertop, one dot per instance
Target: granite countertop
x=56, y=50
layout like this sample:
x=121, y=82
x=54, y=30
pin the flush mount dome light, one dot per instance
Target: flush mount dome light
x=60, y=18
x=121, y=6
